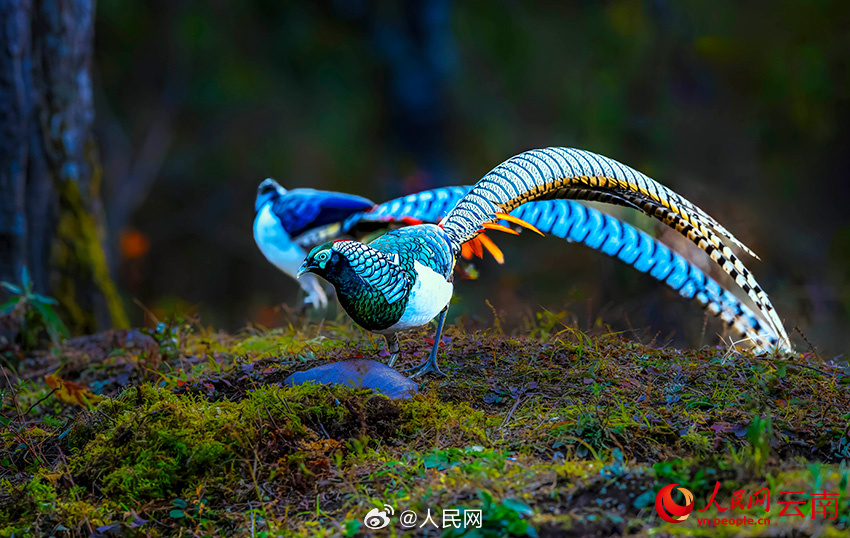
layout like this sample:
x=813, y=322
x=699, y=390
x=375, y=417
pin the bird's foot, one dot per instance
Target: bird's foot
x=393, y=358
x=425, y=368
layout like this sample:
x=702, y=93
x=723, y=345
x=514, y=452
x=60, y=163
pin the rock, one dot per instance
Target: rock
x=359, y=373
x=99, y=346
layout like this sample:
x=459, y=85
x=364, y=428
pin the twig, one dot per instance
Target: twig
x=49, y=394
x=803, y=336
x=511, y=412
x=147, y=311
x=286, y=405
x=822, y=372
x=496, y=321
x=323, y=429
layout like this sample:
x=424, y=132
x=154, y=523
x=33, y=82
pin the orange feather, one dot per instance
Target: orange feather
x=475, y=245
x=466, y=251
x=494, y=226
x=491, y=247
x=518, y=221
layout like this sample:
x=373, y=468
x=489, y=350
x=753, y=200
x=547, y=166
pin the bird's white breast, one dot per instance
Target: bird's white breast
x=429, y=296
x=278, y=248
x=275, y=243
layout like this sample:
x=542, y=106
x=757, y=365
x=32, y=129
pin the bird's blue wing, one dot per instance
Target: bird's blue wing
x=421, y=207
x=300, y=210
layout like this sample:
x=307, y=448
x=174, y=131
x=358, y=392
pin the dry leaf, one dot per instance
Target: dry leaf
x=72, y=393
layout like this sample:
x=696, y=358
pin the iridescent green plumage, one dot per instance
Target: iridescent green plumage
x=374, y=281
x=362, y=278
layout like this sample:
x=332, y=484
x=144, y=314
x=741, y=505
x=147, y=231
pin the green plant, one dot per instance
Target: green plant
x=35, y=311
x=759, y=434
x=497, y=519
x=170, y=336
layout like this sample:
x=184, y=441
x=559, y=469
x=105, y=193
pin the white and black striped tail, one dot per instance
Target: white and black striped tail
x=571, y=173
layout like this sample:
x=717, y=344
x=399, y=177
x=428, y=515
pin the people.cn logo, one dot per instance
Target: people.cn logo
x=667, y=507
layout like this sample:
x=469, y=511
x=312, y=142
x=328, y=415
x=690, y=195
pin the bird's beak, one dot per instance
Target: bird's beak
x=305, y=268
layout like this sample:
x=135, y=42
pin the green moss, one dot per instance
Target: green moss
x=696, y=442
x=456, y=420
x=42, y=494
x=77, y=513
x=569, y=435
x=158, y=443
x=78, y=250
x=279, y=342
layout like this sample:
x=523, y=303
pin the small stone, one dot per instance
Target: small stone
x=358, y=373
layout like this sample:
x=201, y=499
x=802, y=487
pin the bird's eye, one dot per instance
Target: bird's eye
x=323, y=256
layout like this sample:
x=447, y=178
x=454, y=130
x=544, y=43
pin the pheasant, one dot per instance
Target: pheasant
x=403, y=279
x=279, y=213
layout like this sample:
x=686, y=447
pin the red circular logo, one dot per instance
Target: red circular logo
x=667, y=507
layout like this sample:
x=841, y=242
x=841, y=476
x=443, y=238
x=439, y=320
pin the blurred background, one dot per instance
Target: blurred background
x=740, y=107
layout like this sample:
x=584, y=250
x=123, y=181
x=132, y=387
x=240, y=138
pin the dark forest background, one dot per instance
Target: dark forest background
x=741, y=107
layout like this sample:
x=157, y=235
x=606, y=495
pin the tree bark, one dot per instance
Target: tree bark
x=51, y=217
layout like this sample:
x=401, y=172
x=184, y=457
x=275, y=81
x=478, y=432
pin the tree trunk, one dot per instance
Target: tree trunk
x=51, y=217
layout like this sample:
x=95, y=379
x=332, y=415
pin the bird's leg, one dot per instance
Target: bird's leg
x=304, y=307
x=315, y=294
x=431, y=364
x=393, y=347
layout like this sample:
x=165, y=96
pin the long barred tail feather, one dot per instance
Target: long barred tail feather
x=555, y=173
x=564, y=172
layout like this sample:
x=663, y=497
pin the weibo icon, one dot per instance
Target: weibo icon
x=667, y=507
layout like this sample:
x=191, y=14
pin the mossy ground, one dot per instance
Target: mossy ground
x=557, y=433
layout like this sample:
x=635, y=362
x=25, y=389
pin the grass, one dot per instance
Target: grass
x=555, y=434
